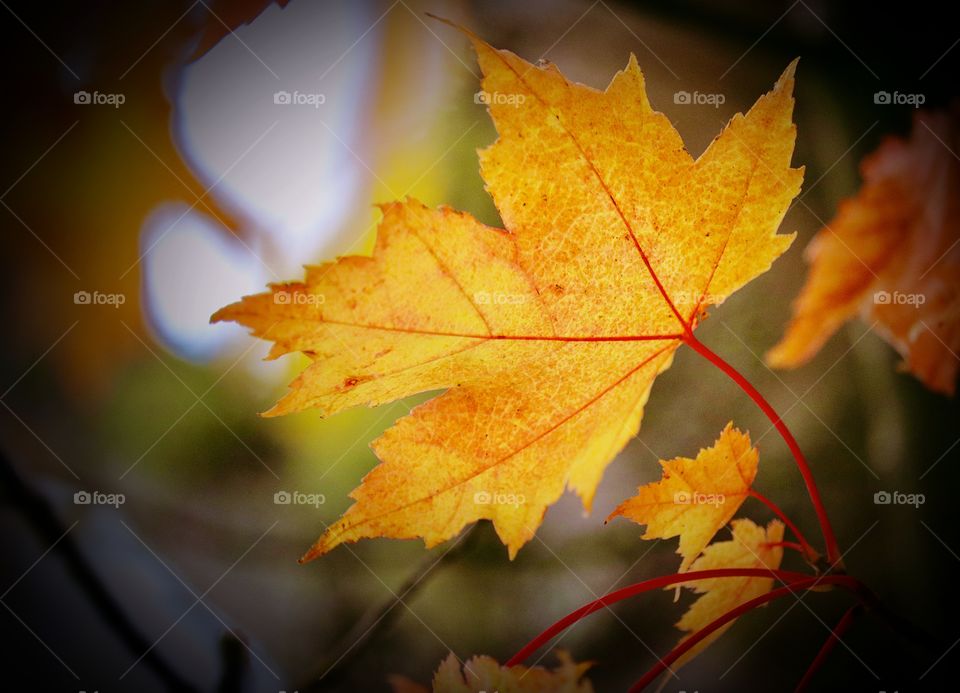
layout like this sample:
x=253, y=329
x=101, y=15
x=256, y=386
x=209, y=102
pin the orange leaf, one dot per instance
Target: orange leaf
x=891, y=255
x=750, y=547
x=548, y=336
x=696, y=498
x=485, y=674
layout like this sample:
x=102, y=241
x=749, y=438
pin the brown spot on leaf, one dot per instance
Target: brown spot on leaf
x=352, y=381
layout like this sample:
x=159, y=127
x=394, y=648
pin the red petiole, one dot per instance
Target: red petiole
x=803, y=584
x=784, y=576
x=828, y=646
x=792, y=581
x=786, y=544
x=808, y=551
x=833, y=551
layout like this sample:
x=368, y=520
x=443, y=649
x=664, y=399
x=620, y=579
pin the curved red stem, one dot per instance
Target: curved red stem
x=805, y=547
x=787, y=545
x=833, y=551
x=842, y=625
x=678, y=651
x=653, y=584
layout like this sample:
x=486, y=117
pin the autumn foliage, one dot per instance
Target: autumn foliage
x=546, y=336
x=891, y=256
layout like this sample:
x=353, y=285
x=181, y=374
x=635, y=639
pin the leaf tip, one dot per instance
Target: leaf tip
x=318, y=549
x=272, y=412
x=787, y=77
x=459, y=27
x=443, y=20
x=222, y=314
x=619, y=511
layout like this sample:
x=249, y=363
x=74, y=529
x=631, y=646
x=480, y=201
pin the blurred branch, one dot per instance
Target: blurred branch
x=41, y=516
x=235, y=662
x=336, y=663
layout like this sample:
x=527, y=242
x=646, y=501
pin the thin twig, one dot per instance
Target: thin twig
x=691, y=641
x=834, y=557
x=45, y=521
x=828, y=646
x=808, y=551
x=235, y=661
x=337, y=662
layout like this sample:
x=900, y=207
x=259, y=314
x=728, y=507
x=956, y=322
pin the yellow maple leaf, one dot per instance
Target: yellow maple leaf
x=547, y=337
x=485, y=674
x=891, y=255
x=752, y=546
x=696, y=497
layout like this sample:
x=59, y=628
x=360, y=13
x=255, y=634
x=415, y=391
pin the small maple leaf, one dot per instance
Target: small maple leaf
x=485, y=674
x=696, y=497
x=547, y=337
x=752, y=546
x=891, y=255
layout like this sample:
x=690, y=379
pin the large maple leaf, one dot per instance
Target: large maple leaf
x=547, y=337
x=892, y=255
